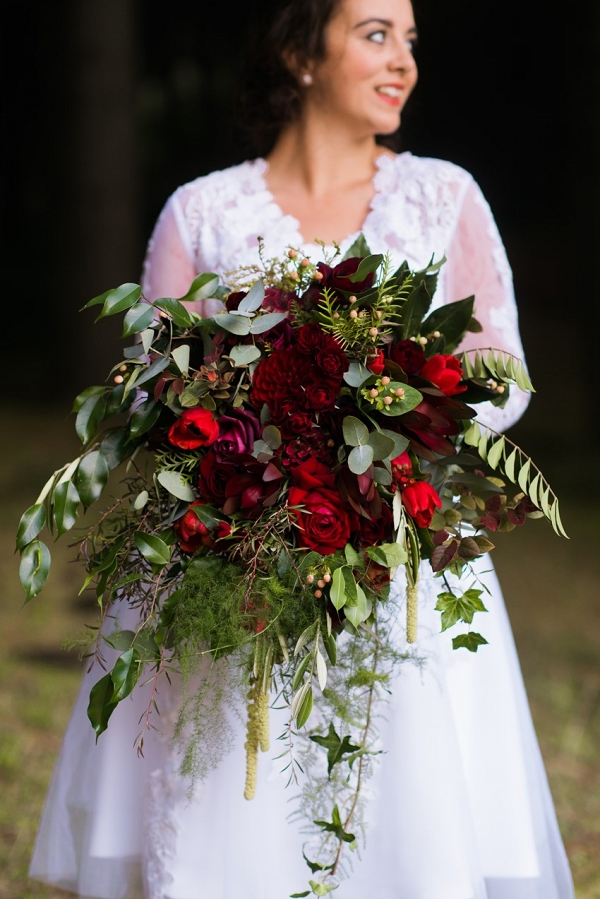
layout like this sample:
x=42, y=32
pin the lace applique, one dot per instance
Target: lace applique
x=412, y=214
x=166, y=791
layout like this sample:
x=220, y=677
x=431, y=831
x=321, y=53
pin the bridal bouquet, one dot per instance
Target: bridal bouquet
x=281, y=461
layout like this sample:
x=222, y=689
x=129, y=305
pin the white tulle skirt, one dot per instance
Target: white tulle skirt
x=460, y=805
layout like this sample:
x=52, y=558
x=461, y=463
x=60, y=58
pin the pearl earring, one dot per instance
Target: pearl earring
x=306, y=78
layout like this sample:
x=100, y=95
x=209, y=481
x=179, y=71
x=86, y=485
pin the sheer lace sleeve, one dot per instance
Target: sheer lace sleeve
x=169, y=266
x=477, y=264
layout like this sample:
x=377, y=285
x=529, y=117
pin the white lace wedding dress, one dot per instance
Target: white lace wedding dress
x=460, y=806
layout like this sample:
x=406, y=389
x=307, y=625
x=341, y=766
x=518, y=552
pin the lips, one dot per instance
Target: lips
x=391, y=93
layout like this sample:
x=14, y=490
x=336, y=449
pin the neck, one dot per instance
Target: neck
x=318, y=159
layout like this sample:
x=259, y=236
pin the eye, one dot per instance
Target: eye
x=377, y=37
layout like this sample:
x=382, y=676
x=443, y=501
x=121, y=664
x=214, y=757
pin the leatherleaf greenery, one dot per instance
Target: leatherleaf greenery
x=276, y=475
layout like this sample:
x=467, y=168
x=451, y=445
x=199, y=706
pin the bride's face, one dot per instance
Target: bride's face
x=369, y=70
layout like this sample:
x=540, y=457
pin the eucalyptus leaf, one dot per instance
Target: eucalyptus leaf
x=235, y=324
x=254, y=298
x=355, y=432
x=400, y=442
x=383, y=447
x=357, y=374
x=245, y=353
x=176, y=485
x=181, y=355
x=267, y=321
x=360, y=459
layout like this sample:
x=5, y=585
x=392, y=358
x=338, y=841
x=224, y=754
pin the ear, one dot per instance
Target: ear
x=301, y=71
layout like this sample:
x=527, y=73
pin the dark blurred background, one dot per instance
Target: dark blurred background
x=108, y=106
x=111, y=104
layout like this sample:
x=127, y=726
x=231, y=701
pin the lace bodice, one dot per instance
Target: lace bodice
x=421, y=208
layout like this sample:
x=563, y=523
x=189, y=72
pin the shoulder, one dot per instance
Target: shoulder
x=231, y=182
x=406, y=172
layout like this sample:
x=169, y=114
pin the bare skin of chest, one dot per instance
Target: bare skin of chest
x=330, y=217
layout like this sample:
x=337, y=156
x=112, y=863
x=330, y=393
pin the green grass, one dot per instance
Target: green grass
x=551, y=588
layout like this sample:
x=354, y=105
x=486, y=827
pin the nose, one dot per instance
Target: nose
x=402, y=59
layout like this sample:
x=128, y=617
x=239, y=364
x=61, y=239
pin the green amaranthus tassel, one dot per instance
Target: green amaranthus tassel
x=412, y=604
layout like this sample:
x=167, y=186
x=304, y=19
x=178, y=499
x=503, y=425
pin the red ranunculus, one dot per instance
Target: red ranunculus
x=376, y=361
x=324, y=523
x=420, y=501
x=195, y=427
x=445, y=372
x=193, y=534
x=409, y=356
x=278, y=300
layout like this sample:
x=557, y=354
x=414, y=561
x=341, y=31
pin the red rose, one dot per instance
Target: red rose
x=312, y=474
x=379, y=530
x=409, y=356
x=193, y=533
x=420, y=501
x=322, y=395
x=214, y=477
x=195, y=427
x=445, y=372
x=376, y=361
x=324, y=523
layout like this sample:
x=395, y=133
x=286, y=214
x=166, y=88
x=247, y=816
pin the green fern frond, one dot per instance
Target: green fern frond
x=503, y=455
x=491, y=363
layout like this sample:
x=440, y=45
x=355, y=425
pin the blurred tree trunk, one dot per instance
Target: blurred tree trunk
x=98, y=246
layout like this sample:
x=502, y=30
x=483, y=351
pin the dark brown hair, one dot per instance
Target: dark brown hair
x=270, y=95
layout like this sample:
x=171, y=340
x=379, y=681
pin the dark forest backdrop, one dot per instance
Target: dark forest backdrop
x=111, y=104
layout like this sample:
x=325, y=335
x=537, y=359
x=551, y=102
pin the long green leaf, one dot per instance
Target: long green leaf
x=137, y=319
x=66, y=501
x=101, y=704
x=153, y=548
x=34, y=568
x=91, y=477
x=31, y=523
x=89, y=417
x=119, y=299
x=125, y=674
x=176, y=310
x=144, y=418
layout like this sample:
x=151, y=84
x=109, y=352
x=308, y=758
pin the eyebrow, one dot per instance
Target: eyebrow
x=387, y=22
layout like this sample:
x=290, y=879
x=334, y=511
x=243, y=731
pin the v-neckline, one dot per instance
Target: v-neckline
x=262, y=166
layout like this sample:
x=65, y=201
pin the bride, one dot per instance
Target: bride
x=460, y=806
